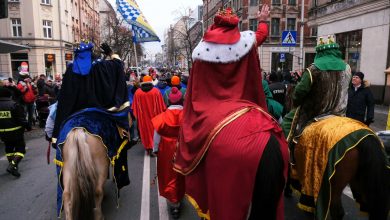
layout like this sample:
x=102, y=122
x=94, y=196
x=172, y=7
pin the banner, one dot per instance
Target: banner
x=142, y=31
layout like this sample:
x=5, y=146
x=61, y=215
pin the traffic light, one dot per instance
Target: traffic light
x=3, y=9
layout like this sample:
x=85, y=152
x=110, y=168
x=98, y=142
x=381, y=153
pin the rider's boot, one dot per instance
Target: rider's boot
x=174, y=209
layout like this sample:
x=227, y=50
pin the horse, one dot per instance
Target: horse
x=85, y=170
x=332, y=153
x=364, y=167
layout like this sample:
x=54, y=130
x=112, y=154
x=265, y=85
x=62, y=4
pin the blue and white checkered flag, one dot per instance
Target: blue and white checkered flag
x=142, y=31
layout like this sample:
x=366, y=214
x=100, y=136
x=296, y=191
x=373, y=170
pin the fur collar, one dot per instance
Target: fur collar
x=225, y=53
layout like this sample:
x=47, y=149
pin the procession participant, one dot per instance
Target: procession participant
x=227, y=136
x=322, y=89
x=167, y=125
x=12, y=124
x=147, y=103
x=175, y=82
x=94, y=97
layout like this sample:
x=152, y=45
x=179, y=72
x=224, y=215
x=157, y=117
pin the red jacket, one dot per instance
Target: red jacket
x=28, y=92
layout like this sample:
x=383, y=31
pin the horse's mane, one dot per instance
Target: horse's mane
x=83, y=175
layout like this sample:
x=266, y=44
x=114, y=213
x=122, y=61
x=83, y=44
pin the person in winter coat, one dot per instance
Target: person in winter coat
x=360, y=100
x=29, y=97
x=12, y=124
x=147, y=103
x=167, y=126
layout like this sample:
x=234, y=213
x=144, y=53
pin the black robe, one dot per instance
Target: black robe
x=104, y=87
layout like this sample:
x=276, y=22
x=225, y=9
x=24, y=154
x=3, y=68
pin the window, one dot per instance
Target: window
x=314, y=32
x=253, y=24
x=46, y=2
x=16, y=61
x=292, y=2
x=13, y=0
x=253, y=3
x=291, y=24
x=47, y=29
x=16, y=25
x=275, y=2
x=275, y=23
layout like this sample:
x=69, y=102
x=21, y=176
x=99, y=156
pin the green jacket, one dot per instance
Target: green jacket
x=274, y=107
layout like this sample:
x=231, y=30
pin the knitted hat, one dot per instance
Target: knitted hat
x=174, y=96
x=147, y=78
x=328, y=55
x=360, y=75
x=175, y=80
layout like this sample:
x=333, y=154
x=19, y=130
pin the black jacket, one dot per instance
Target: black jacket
x=278, y=91
x=358, y=102
x=11, y=114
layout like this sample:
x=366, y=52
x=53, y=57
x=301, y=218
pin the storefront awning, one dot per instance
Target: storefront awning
x=8, y=47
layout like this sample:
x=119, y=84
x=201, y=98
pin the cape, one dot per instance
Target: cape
x=171, y=184
x=147, y=105
x=209, y=102
x=104, y=88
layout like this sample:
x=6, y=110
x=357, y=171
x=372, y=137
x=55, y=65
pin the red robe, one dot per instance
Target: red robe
x=146, y=105
x=170, y=183
x=223, y=133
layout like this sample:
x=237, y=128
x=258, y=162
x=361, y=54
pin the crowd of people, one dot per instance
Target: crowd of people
x=157, y=107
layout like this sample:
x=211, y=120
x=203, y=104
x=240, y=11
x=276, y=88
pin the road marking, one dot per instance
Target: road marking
x=347, y=191
x=145, y=203
x=3, y=158
x=162, y=203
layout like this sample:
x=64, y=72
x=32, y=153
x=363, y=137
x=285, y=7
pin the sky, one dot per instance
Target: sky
x=160, y=15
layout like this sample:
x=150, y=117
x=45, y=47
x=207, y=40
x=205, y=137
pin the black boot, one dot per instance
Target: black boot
x=175, y=210
x=13, y=169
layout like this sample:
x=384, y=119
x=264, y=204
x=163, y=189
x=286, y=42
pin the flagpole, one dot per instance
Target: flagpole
x=135, y=51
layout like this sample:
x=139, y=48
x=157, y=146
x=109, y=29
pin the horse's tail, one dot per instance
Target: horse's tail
x=83, y=176
x=374, y=177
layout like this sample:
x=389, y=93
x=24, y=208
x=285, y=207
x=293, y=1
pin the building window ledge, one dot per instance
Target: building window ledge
x=48, y=5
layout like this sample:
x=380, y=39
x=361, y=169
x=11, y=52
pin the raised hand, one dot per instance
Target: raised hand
x=263, y=15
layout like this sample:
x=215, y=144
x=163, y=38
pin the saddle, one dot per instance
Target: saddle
x=317, y=151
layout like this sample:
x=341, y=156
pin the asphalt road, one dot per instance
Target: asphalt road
x=33, y=195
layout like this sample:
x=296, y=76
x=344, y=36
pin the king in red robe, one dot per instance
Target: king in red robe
x=226, y=126
x=147, y=103
x=167, y=125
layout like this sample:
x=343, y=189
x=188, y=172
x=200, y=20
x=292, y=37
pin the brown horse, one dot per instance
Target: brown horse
x=85, y=170
x=363, y=165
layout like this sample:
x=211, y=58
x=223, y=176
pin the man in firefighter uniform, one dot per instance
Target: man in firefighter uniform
x=12, y=124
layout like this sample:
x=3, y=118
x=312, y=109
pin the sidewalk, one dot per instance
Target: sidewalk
x=380, y=118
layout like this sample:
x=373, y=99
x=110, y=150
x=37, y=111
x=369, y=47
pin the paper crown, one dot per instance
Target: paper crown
x=326, y=42
x=226, y=17
x=83, y=46
x=83, y=58
x=225, y=28
x=328, y=56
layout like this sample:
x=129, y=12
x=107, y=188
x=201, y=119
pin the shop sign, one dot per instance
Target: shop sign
x=68, y=56
x=50, y=57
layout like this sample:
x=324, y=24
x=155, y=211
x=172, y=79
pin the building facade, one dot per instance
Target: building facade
x=48, y=27
x=362, y=30
x=285, y=16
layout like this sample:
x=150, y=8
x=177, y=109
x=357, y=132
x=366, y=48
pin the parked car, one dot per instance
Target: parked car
x=385, y=137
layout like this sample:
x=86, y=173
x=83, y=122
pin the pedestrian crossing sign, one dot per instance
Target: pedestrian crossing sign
x=289, y=38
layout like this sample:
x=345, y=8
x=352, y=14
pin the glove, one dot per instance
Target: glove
x=106, y=49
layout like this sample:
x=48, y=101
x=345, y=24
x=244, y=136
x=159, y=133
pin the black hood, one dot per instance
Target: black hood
x=146, y=87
